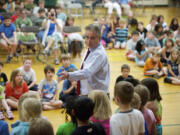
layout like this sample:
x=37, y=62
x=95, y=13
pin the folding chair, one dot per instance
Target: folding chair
x=75, y=9
x=28, y=29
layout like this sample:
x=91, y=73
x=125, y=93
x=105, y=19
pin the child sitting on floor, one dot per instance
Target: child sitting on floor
x=3, y=77
x=31, y=109
x=131, y=45
x=15, y=88
x=48, y=90
x=153, y=66
x=121, y=34
x=40, y=126
x=4, y=104
x=29, y=75
x=66, y=66
x=125, y=69
x=141, y=53
x=173, y=68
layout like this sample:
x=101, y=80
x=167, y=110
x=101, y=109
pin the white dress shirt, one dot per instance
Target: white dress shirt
x=95, y=73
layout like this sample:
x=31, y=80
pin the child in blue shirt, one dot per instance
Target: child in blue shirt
x=8, y=37
x=66, y=66
x=68, y=89
x=141, y=53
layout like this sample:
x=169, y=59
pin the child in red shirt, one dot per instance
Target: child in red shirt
x=15, y=88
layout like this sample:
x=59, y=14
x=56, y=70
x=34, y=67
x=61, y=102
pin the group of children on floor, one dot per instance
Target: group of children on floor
x=139, y=107
x=153, y=47
x=50, y=24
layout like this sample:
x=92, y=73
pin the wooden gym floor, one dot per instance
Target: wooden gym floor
x=170, y=93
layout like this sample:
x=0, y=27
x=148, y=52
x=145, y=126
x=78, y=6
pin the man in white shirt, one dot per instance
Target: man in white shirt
x=95, y=70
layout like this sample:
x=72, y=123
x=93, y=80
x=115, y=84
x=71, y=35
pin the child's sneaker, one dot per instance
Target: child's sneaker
x=1, y=116
x=156, y=76
x=8, y=59
x=9, y=115
x=56, y=62
x=167, y=80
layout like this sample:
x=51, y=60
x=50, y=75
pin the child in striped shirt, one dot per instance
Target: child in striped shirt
x=121, y=34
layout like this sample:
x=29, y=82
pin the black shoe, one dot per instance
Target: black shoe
x=156, y=76
x=8, y=59
x=167, y=80
x=16, y=55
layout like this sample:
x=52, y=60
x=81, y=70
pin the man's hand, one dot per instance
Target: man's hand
x=64, y=75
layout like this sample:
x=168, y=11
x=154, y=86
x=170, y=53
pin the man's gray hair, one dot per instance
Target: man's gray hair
x=95, y=28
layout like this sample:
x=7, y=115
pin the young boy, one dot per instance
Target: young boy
x=153, y=66
x=125, y=69
x=121, y=34
x=48, y=90
x=29, y=75
x=3, y=77
x=8, y=37
x=68, y=89
x=82, y=111
x=128, y=121
x=66, y=66
x=131, y=45
x=152, y=42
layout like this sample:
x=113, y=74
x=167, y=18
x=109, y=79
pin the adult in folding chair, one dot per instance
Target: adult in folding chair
x=95, y=71
x=52, y=34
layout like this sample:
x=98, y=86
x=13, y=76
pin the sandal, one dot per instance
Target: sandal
x=1, y=116
x=9, y=115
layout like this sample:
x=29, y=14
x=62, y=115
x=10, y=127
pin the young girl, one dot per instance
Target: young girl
x=168, y=46
x=173, y=68
x=31, y=109
x=142, y=31
x=160, y=20
x=149, y=118
x=3, y=103
x=68, y=127
x=154, y=103
x=141, y=53
x=15, y=88
x=102, y=109
x=160, y=35
x=106, y=33
x=174, y=24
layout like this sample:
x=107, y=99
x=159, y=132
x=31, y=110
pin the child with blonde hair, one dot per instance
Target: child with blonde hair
x=15, y=88
x=147, y=113
x=40, y=126
x=173, y=68
x=31, y=109
x=102, y=109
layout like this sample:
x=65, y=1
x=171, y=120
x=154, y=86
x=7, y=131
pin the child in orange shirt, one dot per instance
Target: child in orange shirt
x=15, y=88
x=153, y=66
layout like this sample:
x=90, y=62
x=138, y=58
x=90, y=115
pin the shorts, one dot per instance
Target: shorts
x=4, y=42
x=56, y=38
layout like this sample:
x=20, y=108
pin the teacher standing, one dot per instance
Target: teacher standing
x=94, y=72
